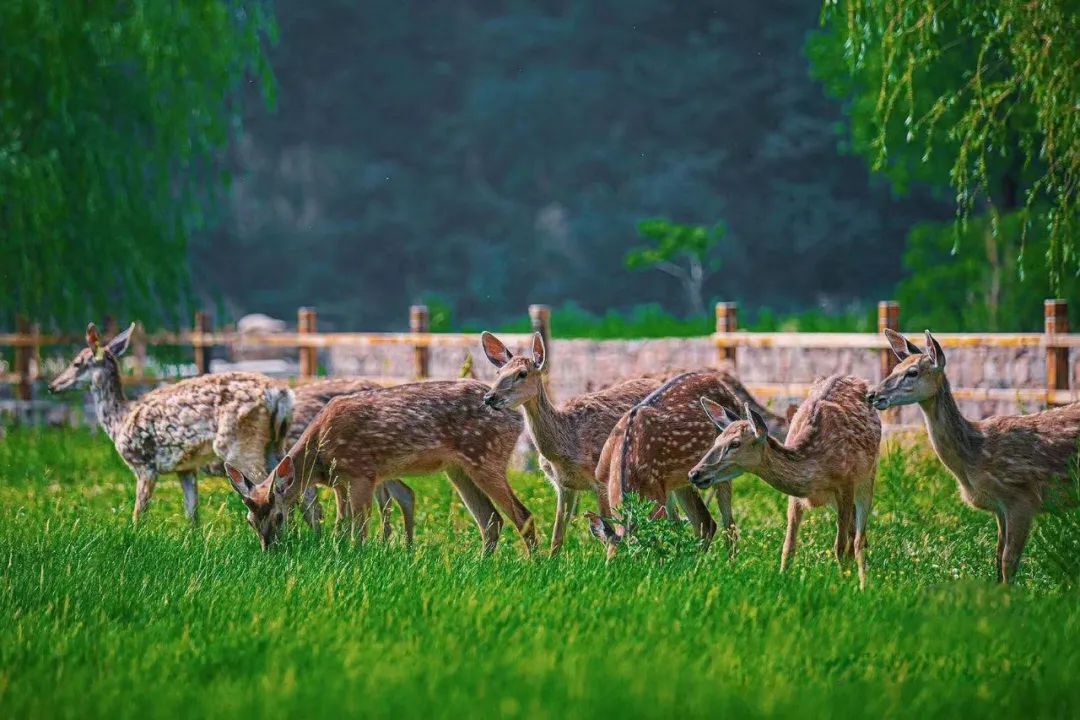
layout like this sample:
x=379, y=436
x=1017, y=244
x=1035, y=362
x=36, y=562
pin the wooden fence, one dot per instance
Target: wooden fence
x=307, y=340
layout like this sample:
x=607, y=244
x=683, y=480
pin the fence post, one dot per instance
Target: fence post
x=22, y=359
x=201, y=349
x=727, y=321
x=888, y=317
x=307, y=323
x=420, y=324
x=1057, y=358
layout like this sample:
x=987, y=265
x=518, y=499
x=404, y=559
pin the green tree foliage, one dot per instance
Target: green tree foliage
x=979, y=95
x=112, y=119
x=681, y=251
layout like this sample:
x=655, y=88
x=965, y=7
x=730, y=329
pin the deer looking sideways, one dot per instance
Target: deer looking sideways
x=1012, y=465
x=830, y=457
x=656, y=443
x=569, y=438
x=240, y=418
x=360, y=440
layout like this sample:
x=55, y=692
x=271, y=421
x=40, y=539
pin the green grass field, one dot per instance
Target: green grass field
x=99, y=619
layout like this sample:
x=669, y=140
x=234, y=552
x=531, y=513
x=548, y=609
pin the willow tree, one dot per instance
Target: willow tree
x=112, y=121
x=981, y=94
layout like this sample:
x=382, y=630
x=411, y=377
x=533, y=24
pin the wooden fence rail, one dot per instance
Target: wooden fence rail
x=202, y=338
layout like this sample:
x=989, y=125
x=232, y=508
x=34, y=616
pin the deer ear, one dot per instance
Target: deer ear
x=93, y=340
x=791, y=410
x=283, y=475
x=119, y=344
x=496, y=352
x=756, y=422
x=240, y=483
x=901, y=346
x=539, y=351
x=934, y=351
x=720, y=415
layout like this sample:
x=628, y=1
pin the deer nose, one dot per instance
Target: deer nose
x=695, y=475
x=489, y=400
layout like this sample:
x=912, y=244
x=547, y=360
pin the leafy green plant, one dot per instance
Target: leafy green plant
x=681, y=251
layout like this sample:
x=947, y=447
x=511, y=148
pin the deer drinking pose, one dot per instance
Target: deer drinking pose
x=569, y=438
x=654, y=445
x=1012, y=466
x=830, y=457
x=241, y=418
x=360, y=440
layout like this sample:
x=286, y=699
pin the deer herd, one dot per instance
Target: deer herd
x=664, y=438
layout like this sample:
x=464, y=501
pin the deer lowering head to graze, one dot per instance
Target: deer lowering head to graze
x=568, y=438
x=241, y=418
x=359, y=441
x=829, y=458
x=1012, y=466
x=311, y=398
x=654, y=445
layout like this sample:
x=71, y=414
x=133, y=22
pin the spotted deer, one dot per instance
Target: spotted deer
x=240, y=418
x=360, y=440
x=568, y=438
x=829, y=458
x=1012, y=466
x=656, y=443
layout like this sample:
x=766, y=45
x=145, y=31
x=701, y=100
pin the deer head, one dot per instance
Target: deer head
x=93, y=361
x=739, y=446
x=919, y=375
x=267, y=503
x=519, y=379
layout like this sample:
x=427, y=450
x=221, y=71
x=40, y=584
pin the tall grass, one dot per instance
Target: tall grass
x=99, y=619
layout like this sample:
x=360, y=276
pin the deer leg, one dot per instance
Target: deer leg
x=384, y=500
x=312, y=509
x=145, y=481
x=845, y=511
x=999, y=568
x=696, y=512
x=361, y=490
x=341, y=497
x=1017, y=528
x=480, y=507
x=862, y=516
x=671, y=507
x=727, y=519
x=188, y=483
x=406, y=500
x=794, y=519
x=564, y=505
x=494, y=484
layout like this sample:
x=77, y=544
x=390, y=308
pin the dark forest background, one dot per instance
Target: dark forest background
x=487, y=155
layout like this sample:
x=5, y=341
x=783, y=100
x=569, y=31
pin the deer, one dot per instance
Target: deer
x=360, y=440
x=1013, y=466
x=656, y=443
x=829, y=458
x=569, y=438
x=240, y=418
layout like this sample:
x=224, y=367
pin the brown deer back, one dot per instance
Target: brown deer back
x=837, y=427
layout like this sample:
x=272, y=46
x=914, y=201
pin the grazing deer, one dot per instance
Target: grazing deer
x=1011, y=465
x=569, y=438
x=311, y=398
x=830, y=457
x=241, y=418
x=654, y=445
x=359, y=440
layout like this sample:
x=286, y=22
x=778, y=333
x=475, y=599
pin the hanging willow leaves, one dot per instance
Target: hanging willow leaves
x=981, y=94
x=112, y=121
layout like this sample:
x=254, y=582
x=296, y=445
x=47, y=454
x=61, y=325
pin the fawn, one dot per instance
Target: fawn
x=568, y=439
x=1011, y=465
x=654, y=445
x=830, y=457
x=359, y=440
x=241, y=418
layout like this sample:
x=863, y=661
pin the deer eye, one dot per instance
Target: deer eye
x=734, y=444
x=523, y=374
x=912, y=373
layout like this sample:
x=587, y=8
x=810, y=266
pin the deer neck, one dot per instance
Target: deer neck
x=955, y=438
x=784, y=469
x=109, y=401
x=548, y=426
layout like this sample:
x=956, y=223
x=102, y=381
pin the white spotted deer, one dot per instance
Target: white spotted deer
x=359, y=441
x=568, y=438
x=829, y=458
x=240, y=418
x=1012, y=466
x=655, y=444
